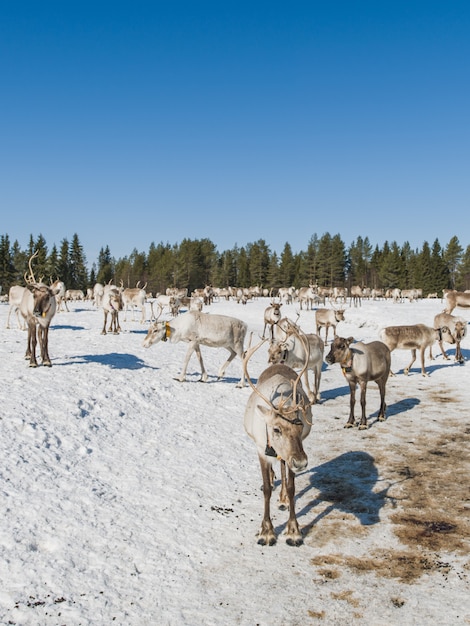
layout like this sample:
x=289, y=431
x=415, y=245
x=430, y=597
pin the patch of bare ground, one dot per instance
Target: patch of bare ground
x=428, y=489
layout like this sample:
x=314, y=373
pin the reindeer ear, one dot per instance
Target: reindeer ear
x=266, y=413
x=350, y=340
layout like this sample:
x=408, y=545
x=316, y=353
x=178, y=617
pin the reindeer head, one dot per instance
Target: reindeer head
x=158, y=331
x=285, y=409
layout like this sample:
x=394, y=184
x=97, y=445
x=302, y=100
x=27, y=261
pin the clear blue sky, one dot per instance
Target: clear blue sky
x=154, y=121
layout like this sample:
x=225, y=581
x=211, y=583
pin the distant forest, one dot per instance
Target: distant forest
x=327, y=262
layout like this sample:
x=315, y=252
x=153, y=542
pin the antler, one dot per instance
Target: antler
x=303, y=338
x=31, y=280
x=282, y=410
x=248, y=354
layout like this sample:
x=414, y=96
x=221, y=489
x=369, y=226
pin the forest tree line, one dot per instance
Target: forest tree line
x=192, y=264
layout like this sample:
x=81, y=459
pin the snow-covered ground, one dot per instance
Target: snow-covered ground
x=130, y=498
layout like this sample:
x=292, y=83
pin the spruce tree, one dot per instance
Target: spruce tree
x=452, y=256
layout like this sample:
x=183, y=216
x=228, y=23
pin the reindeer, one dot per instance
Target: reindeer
x=414, y=337
x=360, y=363
x=98, y=294
x=111, y=304
x=292, y=352
x=58, y=286
x=455, y=298
x=278, y=417
x=326, y=318
x=307, y=295
x=134, y=297
x=15, y=295
x=272, y=315
x=452, y=329
x=38, y=307
x=356, y=295
x=195, y=328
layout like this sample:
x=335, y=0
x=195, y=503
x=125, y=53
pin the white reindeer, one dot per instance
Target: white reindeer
x=278, y=417
x=295, y=350
x=195, y=328
x=15, y=295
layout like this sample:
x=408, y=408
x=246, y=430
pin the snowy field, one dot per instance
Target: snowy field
x=130, y=498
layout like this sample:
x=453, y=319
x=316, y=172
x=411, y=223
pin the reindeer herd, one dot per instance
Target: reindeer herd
x=278, y=414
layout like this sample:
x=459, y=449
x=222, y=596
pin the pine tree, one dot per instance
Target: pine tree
x=324, y=261
x=258, y=259
x=52, y=266
x=105, y=266
x=7, y=268
x=243, y=269
x=311, y=260
x=390, y=269
x=422, y=275
x=63, y=269
x=452, y=256
x=287, y=267
x=39, y=263
x=439, y=270
x=463, y=272
x=78, y=270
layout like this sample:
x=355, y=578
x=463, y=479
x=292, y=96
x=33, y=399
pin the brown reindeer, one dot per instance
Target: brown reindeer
x=38, y=307
x=361, y=362
x=413, y=337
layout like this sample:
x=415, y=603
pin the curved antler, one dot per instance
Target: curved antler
x=31, y=280
x=282, y=410
x=248, y=354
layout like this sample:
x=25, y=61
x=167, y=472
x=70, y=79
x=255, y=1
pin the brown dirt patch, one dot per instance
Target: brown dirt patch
x=428, y=480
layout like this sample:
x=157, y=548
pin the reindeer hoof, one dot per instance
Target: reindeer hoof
x=348, y=425
x=294, y=541
x=363, y=427
x=266, y=541
x=33, y=364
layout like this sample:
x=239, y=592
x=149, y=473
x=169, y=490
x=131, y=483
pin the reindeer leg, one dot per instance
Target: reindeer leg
x=293, y=534
x=352, y=402
x=317, y=384
x=43, y=342
x=197, y=350
x=103, y=332
x=266, y=535
x=363, y=422
x=381, y=384
x=283, y=496
x=223, y=367
x=32, y=341
x=441, y=346
x=189, y=352
x=413, y=359
x=423, y=371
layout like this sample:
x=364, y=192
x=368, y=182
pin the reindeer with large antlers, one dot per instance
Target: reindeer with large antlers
x=38, y=307
x=278, y=417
